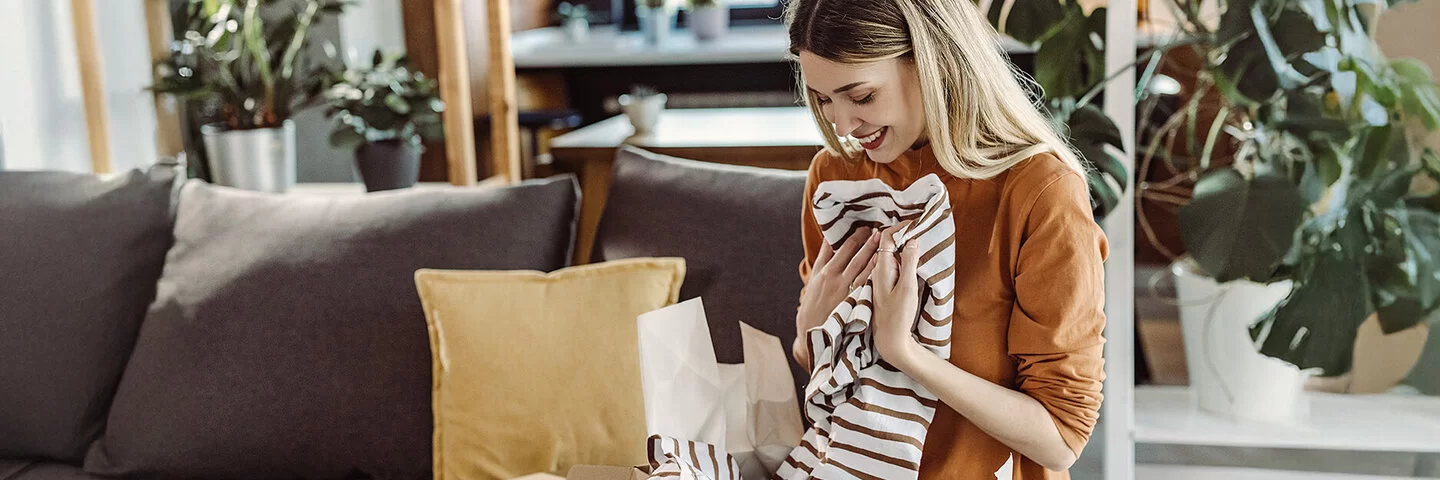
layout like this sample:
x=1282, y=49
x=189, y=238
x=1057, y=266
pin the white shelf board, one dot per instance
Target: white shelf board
x=1187, y=472
x=1388, y=423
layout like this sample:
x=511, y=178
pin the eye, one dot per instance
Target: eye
x=868, y=98
x=822, y=100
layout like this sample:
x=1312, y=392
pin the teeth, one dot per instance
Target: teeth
x=871, y=137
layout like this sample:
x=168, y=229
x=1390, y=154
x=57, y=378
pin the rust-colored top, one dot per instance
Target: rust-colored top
x=1030, y=295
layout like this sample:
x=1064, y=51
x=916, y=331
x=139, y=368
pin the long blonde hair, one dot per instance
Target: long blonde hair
x=979, y=118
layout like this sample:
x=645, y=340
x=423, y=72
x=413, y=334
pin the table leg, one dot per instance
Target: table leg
x=594, y=189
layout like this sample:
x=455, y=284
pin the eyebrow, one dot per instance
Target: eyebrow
x=841, y=89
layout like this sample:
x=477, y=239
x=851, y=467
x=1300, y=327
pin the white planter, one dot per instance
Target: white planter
x=655, y=24
x=261, y=159
x=1228, y=375
x=709, y=23
x=577, y=29
x=643, y=112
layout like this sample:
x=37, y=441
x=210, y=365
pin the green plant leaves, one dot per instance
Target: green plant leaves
x=1069, y=61
x=1030, y=20
x=1314, y=327
x=1263, y=43
x=1240, y=228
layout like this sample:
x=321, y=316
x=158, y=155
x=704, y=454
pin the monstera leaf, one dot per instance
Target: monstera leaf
x=1090, y=131
x=1236, y=227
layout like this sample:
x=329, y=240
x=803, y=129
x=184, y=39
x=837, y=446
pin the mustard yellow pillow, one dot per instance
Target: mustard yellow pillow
x=538, y=372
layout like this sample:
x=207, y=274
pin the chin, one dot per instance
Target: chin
x=884, y=155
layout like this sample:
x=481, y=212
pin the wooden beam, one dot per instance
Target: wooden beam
x=92, y=83
x=168, y=140
x=455, y=91
x=504, y=114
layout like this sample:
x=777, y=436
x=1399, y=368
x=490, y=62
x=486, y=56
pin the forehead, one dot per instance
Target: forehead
x=825, y=75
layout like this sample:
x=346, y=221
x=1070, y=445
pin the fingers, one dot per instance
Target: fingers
x=860, y=263
x=853, y=245
x=885, y=265
x=909, y=262
x=826, y=252
x=869, y=269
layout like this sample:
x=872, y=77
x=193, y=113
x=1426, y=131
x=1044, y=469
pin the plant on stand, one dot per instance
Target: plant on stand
x=1313, y=186
x=255, y=60
x=383, y=113
x=1069, y=71
x=575, y=20
x=709, y=19
x=657, y=19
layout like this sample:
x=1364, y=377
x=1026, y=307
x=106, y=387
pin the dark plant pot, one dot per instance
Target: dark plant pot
x=387, y=165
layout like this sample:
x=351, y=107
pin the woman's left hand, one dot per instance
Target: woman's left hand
x=896, y=296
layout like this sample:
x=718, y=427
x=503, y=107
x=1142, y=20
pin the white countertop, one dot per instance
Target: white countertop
x=606, y=46
x=703, y=128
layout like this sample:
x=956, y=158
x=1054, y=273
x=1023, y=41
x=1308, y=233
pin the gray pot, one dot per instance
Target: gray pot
x=387, y=165
x=260, y=159
x=709, y=23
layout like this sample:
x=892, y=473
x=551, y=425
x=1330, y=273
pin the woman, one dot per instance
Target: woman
x=906, y=88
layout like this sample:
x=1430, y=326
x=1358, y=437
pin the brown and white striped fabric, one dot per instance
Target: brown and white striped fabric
x=671, y=459
x=869, y=418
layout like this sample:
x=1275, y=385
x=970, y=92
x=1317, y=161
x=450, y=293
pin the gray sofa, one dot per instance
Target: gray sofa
x=154, y=329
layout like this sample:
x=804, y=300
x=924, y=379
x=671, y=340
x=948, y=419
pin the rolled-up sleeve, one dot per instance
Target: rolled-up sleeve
x=1057, y=323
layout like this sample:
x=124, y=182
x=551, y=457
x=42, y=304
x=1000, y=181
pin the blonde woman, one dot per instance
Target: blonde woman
x=906, y=88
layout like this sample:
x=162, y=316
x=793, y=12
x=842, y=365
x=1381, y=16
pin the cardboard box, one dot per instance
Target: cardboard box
x=599, y=472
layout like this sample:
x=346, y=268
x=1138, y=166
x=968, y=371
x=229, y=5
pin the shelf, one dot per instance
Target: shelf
x=1187, y=472
x=1389, y=423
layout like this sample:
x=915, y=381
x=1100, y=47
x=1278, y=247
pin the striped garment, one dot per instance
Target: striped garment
x=869, y=418
x=671, y=459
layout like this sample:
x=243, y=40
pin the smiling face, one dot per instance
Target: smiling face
x=877, y=103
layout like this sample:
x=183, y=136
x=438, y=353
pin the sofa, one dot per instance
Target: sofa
x=152, y=327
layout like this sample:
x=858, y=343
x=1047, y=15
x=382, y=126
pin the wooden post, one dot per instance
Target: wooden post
x=504, y=113
x=92, y=83
x=455, y=91
x=168, y=140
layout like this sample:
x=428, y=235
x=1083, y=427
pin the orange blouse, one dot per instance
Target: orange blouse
x=1030, y=298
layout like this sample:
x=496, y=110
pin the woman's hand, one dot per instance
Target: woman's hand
x=833, y=276
x=897, y=298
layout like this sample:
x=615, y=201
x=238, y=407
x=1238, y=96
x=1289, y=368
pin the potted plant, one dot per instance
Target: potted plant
x=255, y=59
x=643, y=106
x=383, y=113
x=1313, y=207
x=575, y=20
x=657, y=19
x=709, y=19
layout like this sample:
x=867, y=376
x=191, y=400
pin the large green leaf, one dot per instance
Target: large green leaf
x=1068, y=59
x=1266, y=42
x=1241, y=228
x=1030, y=20
x=1314, y=327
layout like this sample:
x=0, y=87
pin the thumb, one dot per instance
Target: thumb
x=909, y=263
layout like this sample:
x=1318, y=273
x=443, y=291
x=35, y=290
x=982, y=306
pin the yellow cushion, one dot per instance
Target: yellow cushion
x=538, y=372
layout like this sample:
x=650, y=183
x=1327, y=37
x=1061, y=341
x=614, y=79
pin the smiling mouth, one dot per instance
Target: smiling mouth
x=873, y=140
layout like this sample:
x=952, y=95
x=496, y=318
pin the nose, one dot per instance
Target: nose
x=846, y=122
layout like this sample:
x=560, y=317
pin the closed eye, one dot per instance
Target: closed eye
x=867, y=99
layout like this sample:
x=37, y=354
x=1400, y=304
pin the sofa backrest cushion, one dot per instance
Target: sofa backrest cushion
x=79, y=258
x=738, y=229
x=287, y=339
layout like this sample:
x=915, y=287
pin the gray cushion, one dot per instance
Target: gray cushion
x=23, y=470
x=287, y=340
x=80, y=257
x=738, y=229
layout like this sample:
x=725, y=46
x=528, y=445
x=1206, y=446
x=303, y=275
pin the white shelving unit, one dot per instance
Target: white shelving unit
x=1380, y=423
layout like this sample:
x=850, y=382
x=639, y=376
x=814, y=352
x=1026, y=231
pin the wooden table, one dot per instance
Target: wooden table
x=785, y=138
